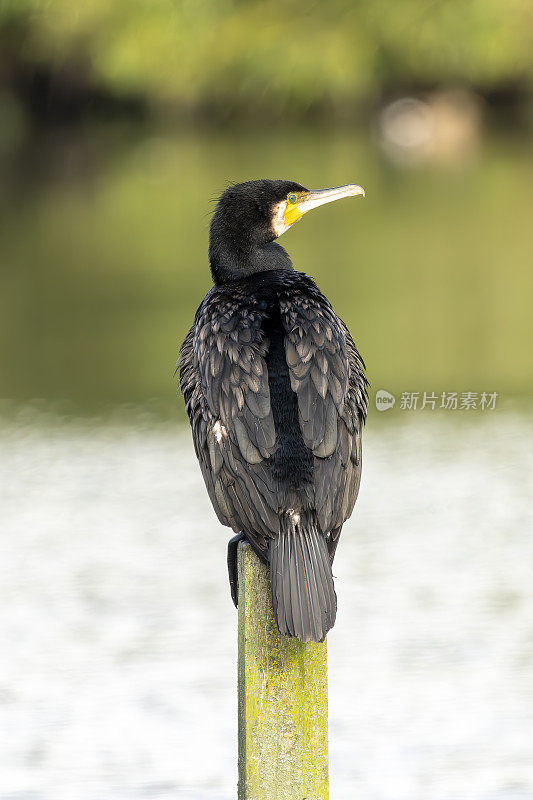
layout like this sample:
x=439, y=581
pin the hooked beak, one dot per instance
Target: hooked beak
x=309, y=200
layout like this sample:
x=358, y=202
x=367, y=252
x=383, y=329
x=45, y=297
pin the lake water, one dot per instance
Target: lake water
x=103, y=243
x=118, y=636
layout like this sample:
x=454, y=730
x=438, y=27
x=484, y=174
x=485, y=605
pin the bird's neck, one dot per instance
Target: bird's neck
x=230, y=263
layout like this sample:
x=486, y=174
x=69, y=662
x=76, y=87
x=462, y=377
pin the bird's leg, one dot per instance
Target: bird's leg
x=233, y=545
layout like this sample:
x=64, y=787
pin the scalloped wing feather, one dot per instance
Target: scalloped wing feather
x=327, y=375
x=224, y=381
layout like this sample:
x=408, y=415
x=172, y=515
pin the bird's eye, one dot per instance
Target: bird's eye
x=292, y=198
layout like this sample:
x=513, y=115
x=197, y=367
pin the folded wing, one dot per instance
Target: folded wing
x=327, y=375
x=224, y=380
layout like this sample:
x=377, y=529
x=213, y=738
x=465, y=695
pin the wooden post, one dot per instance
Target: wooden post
x=283, y=699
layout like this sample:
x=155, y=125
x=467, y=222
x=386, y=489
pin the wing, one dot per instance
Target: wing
x=224, y=380
x=327, y=375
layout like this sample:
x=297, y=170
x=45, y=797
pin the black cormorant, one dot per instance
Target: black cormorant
x=275, y=391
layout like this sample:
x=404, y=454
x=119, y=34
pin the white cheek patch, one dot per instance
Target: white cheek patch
x=219, y=430
x=279, y=225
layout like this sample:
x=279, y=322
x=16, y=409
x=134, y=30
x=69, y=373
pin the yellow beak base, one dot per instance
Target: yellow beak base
x=292, y=214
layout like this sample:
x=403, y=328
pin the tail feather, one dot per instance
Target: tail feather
x=303, y=594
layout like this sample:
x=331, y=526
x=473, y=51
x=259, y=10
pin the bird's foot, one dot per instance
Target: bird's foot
x=233, y=545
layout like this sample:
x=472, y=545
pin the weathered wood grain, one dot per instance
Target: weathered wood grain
x=283, y=699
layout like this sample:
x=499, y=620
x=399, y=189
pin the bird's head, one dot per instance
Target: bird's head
x=250, y=216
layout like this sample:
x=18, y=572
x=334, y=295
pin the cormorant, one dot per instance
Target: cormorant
x=275, y=390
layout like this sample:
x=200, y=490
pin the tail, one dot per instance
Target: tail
x=303, y=594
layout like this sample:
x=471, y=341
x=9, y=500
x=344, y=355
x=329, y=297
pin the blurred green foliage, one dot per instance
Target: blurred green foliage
x=284, y=54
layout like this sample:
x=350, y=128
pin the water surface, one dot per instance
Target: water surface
x=118, y=636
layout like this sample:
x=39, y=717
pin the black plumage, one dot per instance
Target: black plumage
x=275, y=391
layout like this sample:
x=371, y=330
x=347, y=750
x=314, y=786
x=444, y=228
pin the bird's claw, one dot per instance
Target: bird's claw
x=233, y=546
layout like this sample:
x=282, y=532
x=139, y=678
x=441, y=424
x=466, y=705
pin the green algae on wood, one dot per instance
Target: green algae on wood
x=283, y=699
